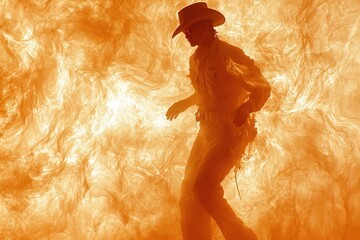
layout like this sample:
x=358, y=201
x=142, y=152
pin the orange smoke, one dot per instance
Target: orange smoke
x=86, y=151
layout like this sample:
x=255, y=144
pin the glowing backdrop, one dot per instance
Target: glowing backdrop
x=86, y=151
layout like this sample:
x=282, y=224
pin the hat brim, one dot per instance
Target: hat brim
x=217, y=18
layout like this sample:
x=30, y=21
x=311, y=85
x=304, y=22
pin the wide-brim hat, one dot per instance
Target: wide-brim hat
x=195, y=13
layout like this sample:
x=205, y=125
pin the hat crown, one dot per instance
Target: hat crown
x=190, y=11
x=197, y=12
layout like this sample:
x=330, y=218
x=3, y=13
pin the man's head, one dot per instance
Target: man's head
x=200, y=32
x=197, y=22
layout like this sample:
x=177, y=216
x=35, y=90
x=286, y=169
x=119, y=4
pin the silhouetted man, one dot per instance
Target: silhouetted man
x=228, y=88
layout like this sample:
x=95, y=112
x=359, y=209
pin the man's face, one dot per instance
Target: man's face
x=196, y=33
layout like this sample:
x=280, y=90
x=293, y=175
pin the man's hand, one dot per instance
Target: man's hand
x=176, y=109
x=241, y=114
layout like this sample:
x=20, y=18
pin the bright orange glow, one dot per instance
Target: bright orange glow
x=87, y=153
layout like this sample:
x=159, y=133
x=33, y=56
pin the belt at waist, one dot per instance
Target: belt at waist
x=221, y=116
x=214, y=116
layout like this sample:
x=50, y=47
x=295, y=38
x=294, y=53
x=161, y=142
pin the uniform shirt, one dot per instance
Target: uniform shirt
x=224, y=77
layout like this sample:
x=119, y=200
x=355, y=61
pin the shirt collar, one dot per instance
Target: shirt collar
x=200, y=53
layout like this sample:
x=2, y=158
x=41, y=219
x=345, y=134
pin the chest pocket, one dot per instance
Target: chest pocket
x=211, y=75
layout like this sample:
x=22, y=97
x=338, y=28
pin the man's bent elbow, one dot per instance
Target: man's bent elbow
x=267, y=93
x=259, y=97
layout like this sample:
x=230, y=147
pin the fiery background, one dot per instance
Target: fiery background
x=85, y=148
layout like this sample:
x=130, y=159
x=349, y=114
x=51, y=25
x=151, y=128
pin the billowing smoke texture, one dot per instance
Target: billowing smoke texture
x=85, y=149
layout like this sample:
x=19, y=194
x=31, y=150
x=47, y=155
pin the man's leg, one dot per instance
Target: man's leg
x=217, y=163
x=195, y=221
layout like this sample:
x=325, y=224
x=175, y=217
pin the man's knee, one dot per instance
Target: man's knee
x=204, y=192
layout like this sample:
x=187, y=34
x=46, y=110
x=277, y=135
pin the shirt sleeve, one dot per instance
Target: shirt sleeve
x=243, y=68
x=193, y=74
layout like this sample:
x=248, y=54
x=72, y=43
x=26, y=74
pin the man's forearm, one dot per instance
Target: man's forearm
x=191, y=100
